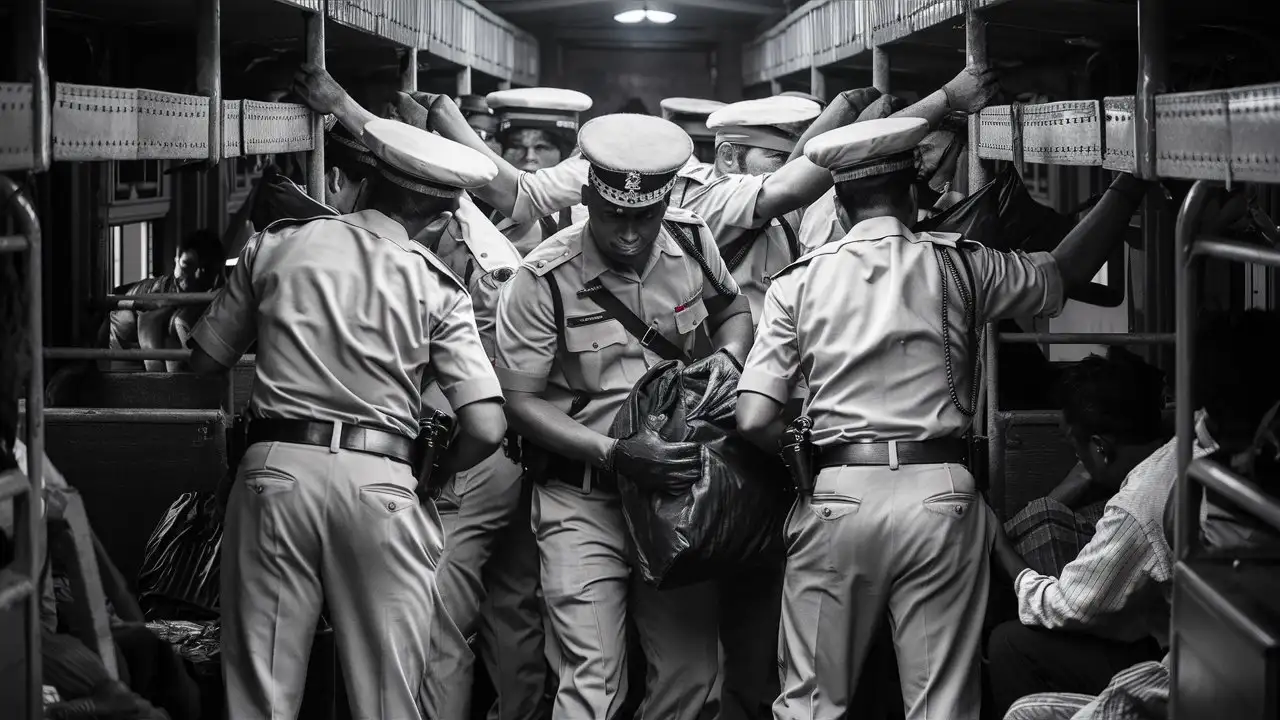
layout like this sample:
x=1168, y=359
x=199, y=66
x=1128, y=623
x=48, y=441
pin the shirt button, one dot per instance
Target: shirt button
x=484, y=254
x=257, y=489
x=542, y=263
x=391, y=506
x=959, y=509
x=826, y=512
x=595, y=346
x=767, y=279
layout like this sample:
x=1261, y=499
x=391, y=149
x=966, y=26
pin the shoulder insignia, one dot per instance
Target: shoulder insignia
x=697, y=172
x=552, y=253
x=944, y=239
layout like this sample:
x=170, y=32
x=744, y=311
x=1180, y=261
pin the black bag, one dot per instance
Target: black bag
x=732, y=518
x=179, y=576
x=1003, y=216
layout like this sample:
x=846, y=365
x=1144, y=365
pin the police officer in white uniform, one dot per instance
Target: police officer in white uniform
x=883, y=324
x=350, y=316
x=538, y=128
x=691, y=115
x=588, y=313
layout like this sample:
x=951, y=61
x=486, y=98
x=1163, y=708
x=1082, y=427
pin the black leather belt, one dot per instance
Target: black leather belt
x=926, y=452
x=314, y=432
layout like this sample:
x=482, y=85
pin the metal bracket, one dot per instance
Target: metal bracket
x=93, y=123
x=232, y=131
x=1060, y=133
x=17, y=134
x=1121, y=134
x=275, y=128
x=172, y=126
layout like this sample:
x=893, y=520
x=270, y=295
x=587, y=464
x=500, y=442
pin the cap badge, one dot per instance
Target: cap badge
x=633, y=182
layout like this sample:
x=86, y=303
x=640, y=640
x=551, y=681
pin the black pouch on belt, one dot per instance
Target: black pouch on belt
x=435, y=429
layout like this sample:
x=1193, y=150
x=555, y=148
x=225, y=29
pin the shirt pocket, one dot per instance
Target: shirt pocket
x=587, y=345
x=689, y=317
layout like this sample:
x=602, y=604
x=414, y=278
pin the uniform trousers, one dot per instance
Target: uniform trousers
x=590, y=588
x=488, y=578
x=913, y=541
x=750, y=607
x=311, y=525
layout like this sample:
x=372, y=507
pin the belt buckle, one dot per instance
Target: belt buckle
x=649, y=336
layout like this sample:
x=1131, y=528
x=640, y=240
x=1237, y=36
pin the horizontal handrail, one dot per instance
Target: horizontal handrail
x=1088, y=338
x=131, y=415
x=65, y=353
x=13, y=587
x=1237, y=251
x=1237, y=489
x=69, y=353
x=14, y=243
x=150, y=301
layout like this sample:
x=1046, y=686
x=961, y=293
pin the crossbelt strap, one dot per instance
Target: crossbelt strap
x=648, y=335
x=927, y=452
x=735, y=253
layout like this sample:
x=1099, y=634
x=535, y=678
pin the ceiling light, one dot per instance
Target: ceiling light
x=631, y=17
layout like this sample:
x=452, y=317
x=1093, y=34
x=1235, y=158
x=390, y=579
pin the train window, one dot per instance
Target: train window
x=139, y=191
x=130, y=253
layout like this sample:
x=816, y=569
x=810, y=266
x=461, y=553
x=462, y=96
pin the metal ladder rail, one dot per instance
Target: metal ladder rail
x=995, y=430
x=27, y=491
x=1192, y=249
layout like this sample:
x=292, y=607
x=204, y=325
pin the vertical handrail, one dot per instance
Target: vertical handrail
x=880, y=69
x=409, y=69
x=1185, y=300
x=975, y=55
x=41, y=106
x=209, y=71
x=315, y=23
x=1186, y=292
x=33, y=503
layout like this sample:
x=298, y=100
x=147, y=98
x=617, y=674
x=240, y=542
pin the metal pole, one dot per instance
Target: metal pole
x=1088, y=338
x=504, y=84
x=1151, y=81
x=41, y=106
x=409, y=69
x=315, y=55
x=775, y=87
x=464, y=81
x=29, y=225
x=995, y=448
x=880, y=69
x=1186, y=278
x=975, y=55
x=817, y=82
x=209, y=71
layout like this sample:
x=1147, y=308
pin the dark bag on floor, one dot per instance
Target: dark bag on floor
x=179, y=576
x=731, y=519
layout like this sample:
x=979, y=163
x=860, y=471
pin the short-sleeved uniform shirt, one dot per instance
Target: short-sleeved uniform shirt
x=483, y=257
x=726, y=203
x=820, y=225
x=350, y=315
x=861, y=321
x=528, y=235
x=598, y=358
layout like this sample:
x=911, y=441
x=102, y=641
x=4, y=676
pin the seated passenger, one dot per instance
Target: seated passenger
x=197, y=268
x=1234, y=377
x=1112, y=413
x=1109, y=609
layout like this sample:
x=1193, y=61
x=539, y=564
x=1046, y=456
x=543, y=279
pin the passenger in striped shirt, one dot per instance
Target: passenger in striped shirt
x=1236, y=385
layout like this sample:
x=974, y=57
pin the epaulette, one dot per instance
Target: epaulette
x=828, y=249
x=699, y=172
x=489, y=248
x=682, y=216
x=435, y=263
x=554, y=252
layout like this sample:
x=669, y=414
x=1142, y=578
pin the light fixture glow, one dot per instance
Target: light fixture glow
x=631, y=17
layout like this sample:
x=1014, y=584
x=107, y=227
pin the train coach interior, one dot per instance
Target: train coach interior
x=127, y=125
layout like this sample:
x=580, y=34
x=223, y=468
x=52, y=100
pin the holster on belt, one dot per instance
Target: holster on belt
x=237, y=441
x=435, y=430
x=541, y=465
x=797, y=454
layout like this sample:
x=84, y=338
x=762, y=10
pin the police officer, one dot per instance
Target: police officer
x=350, y=316
x=887, y=323
x=691, y=115
x=538, y=128
x=589, y=311
x=481, y=119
